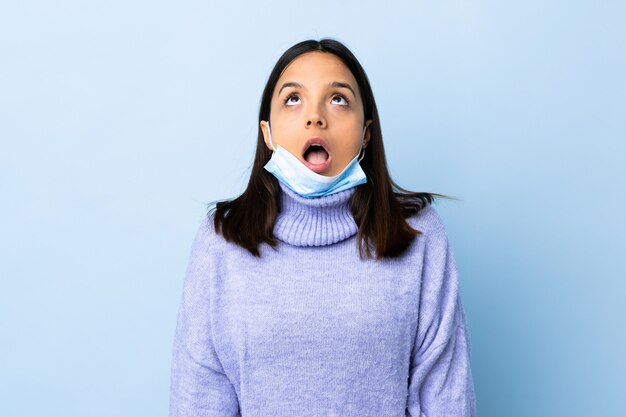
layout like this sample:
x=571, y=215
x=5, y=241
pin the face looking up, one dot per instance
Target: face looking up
x=316, y=101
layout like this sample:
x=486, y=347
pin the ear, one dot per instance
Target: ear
x=368, y=130
x=266, y=136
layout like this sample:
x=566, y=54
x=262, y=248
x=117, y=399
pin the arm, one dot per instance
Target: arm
x=440, y=376
x=198, y=383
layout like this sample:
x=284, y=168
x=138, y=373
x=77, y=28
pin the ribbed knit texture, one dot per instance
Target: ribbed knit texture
x=314, y=221
x=310, y=329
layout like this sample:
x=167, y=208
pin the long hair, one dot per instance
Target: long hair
x=379, y=206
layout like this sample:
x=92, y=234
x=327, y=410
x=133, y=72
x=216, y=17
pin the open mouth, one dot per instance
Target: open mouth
x=316, y=156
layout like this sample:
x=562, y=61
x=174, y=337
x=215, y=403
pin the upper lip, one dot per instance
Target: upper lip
x=316, y=140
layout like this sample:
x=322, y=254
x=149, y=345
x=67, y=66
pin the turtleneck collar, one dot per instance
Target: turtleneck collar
x=314, y=221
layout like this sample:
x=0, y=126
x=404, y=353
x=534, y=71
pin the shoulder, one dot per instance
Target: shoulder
x=428, y=221
x=205, y=235
x=433, y=234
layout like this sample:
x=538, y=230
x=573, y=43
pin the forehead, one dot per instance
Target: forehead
x=314, y=69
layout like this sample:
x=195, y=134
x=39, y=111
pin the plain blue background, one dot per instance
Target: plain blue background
x=120, y=120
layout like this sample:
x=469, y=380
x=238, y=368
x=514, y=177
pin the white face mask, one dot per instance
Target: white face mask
x=289, y=170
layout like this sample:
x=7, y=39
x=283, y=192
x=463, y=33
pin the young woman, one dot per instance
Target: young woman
x=325, y=289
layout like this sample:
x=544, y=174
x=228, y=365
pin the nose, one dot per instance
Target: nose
x=315, y=117
x=320, y=122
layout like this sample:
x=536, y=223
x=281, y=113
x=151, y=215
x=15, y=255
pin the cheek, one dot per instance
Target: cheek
x=283, y=128
x=351, y=137
x=345, y=152
x=288, y=137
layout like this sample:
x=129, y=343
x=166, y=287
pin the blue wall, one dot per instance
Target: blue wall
x=120, y=120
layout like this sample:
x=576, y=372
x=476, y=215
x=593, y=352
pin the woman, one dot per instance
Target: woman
x=322, y=290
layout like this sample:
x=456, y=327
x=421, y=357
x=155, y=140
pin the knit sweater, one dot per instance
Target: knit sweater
x=310, y=329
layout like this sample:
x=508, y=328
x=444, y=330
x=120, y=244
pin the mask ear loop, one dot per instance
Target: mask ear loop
x=363, y=149
x=269, y=133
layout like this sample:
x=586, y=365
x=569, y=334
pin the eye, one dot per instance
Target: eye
x=343, y=97
x=289, y=97
x=293, y=95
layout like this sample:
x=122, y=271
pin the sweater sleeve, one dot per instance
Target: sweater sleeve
x=440, y=376
x=198, y=383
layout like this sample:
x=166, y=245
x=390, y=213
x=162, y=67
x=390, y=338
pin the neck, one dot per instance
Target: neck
x=314, y=221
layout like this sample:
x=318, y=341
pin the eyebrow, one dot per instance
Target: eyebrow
x=337, y=84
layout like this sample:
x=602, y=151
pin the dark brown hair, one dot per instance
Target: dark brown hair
x=379, y=206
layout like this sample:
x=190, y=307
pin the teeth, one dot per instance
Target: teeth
x=317, y=145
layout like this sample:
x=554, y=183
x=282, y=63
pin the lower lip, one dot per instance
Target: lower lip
x=318, y=168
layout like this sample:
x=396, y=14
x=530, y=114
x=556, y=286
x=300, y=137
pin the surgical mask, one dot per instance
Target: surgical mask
x=289, y=170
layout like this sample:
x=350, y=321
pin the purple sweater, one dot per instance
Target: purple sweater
x=310, y=329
